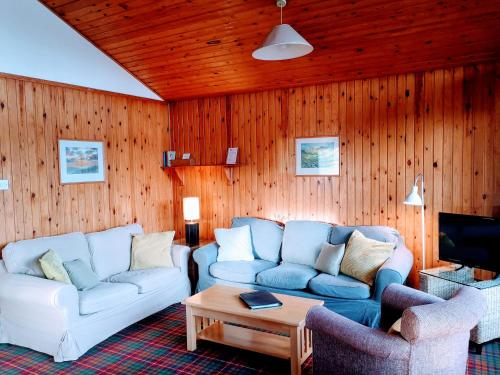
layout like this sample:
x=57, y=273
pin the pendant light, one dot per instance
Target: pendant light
x=283, y=42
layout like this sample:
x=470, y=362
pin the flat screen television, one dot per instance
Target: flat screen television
x=472, y=241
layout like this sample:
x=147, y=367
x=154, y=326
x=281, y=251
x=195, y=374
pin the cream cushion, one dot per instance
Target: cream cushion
x=235, y=244
x=395, y=328
x=364, y=256
x=52, y=267
x=152, y=250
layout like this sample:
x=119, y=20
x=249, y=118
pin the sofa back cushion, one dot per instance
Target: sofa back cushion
x=22, y=256
x=342, y=234
x=303, y=241
x=110, y=250
x=266, y=237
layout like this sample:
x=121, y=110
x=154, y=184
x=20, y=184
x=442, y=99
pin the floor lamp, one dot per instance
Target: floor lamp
x=414, y=199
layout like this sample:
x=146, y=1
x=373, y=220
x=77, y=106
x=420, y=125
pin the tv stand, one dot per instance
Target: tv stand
x=444, y=282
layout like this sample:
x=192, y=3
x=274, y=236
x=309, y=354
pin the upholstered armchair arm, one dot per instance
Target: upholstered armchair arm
x=444, y=318
x=35, y=301
x=352, y=336
x=180, y=257
x=397, y=298
x=395, y=270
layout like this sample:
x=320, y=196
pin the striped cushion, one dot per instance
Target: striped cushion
x=364, y=256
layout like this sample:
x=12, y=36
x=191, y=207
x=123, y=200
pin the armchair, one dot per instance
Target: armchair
x=434, y=335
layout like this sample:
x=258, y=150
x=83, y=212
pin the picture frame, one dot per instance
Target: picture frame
x=317, y=156
x=81, y=161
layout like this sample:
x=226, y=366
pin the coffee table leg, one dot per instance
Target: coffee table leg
x=190, y=329
x=295, y=351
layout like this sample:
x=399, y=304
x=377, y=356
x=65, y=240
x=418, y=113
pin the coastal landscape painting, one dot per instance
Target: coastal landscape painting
x=317, y=156
x=81, y=161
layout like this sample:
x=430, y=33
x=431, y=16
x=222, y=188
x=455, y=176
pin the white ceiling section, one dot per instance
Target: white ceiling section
x=36, y=43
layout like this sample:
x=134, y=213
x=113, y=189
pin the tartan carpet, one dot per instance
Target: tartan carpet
x=157, y=345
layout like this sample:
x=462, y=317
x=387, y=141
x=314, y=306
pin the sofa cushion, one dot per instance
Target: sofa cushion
x=52, y=267
x=22, y=256
x=106, y=296
x=266, y=237
x=111, y=249
x=81, y=275
x=287, y=276
x=240, y=271
x=148, y=280
x=152, y=250
x=364, y=256
x=303, y=240
x=342, y=234
x=234, y=244
x=330, y=258
x=340, y=286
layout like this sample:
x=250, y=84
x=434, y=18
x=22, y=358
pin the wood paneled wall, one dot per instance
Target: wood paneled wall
x=34, y=115
x=444, y=123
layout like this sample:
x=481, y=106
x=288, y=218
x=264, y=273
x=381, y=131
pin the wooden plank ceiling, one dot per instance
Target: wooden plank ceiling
x=189, y=48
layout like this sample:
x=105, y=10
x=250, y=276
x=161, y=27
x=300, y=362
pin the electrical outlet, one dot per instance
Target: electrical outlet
x=4, y=184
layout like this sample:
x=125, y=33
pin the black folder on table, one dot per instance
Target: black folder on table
x=260, y=300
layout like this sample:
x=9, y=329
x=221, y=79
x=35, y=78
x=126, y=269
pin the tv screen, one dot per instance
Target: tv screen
x=472, y=241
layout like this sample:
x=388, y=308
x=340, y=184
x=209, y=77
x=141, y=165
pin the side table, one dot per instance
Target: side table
x=192, y=266
x=445, y=281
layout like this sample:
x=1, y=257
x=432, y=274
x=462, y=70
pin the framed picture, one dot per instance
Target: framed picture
x=81, y=161
x=318, y=156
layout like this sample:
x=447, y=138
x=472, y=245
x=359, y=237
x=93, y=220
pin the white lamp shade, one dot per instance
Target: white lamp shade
x=283, y=43
x=413, y=199
x=191, y=208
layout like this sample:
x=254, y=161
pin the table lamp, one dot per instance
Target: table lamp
x=414, y=199
x=191, y=210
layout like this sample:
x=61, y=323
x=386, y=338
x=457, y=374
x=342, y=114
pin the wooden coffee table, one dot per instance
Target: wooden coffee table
x=208, y=312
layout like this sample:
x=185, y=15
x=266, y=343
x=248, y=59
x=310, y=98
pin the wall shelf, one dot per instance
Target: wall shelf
x=180, y=169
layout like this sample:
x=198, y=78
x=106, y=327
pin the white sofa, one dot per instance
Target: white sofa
x=54, y=318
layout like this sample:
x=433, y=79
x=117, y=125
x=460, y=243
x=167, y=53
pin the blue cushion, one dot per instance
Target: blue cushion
x=303, y=241
x=341, y=286
x=240, y=271
x=81, y=275
x=266, y=237
x=287, y=276
x=342, y=234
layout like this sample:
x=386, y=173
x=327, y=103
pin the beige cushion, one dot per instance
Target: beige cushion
x=364, y=256
x=52, y=267
x=395, y=328
x=152, y=250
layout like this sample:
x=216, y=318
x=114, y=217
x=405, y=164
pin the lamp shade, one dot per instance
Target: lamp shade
x=413, y=199
x=191, y=208
x=283, y=43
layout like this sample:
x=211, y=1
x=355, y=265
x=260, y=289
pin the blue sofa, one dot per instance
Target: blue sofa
x=284, y=263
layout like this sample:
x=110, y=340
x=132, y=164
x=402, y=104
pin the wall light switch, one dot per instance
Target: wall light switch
x=4, y=184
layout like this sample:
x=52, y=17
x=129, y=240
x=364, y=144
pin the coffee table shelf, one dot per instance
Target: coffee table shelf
x=249, y=339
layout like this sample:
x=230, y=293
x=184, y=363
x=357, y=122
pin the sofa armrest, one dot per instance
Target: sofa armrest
x=180, y=257
x=35, y=300
x=355, y=336
x=397, y=298
x=395, y=270
x=204, y=257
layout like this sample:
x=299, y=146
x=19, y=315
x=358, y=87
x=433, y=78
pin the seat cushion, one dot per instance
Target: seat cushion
x=22, y=256
x=303, y=241
x=106, y=296
x=148, y=280
x=340, y=286
x=267, y=236
x=111, y=249
x=287, y=276
x=342, y=234
x=240, y=271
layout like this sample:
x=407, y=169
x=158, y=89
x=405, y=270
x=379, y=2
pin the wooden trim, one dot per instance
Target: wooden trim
x=76, y=87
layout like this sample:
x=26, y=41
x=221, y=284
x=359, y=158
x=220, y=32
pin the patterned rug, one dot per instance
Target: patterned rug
x=157, y=345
